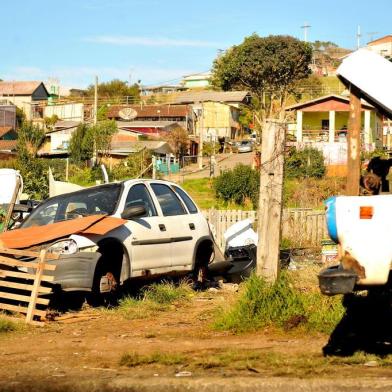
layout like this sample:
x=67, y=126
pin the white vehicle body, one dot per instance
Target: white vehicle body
x=362, y=226
x=172, y=236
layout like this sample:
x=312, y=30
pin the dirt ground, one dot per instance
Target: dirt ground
x=83, y=352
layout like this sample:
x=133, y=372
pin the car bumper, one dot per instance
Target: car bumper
x=75, y=272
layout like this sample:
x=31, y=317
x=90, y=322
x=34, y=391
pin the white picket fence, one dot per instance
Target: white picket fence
x=302, y=227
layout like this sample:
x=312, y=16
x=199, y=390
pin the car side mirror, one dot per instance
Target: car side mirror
x=134, y=212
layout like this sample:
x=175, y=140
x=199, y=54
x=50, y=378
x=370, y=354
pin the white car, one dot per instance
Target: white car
x=165, y=232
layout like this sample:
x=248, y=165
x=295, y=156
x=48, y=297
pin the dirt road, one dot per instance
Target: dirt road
x=174, y=350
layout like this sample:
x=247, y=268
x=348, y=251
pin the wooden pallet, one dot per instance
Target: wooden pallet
x=11, y=300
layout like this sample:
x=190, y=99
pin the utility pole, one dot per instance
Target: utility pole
x=201, y=136
x=94, y=160
x=354, y=143
x=95, y=99
x=359, y=35
x=306, y=26
x=270, y=201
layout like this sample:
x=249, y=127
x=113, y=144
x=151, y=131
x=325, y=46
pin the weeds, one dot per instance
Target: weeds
x=268, y=362
x=7, y=325
x=134, y=359
x=154, y=298
x=167, y=293
x=280, y=304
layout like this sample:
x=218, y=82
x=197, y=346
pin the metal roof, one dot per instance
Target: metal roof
x=215, y=96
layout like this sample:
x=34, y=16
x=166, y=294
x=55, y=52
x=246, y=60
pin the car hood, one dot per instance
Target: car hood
x=30, y=236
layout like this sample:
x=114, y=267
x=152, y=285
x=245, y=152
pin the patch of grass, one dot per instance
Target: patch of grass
x=201, y=191
x=166, y=293
x=282, y=305
x=134, y=359
x=135, y=309
x=155, y=298
x=7, y=325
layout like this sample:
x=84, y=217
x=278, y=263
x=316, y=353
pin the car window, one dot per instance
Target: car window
x=187, y=200
x=90, y=201
x=168, y=200
x=139, y=195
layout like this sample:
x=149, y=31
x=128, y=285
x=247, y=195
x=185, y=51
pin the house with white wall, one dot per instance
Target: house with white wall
x=27, y=96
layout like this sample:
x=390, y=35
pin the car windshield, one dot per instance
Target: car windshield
x=97, y=200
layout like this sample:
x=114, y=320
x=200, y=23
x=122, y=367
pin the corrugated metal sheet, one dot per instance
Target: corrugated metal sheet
x=215, y=96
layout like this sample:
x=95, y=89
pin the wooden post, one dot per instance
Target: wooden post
x=11, y=205
x=354, y=144
x=37, y=282
x=270, y=203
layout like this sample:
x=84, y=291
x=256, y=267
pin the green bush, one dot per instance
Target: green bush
x=308, y=162
x=282, y=305
x=238, y=185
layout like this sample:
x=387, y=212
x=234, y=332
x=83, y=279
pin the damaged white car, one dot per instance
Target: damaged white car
x=113, y=232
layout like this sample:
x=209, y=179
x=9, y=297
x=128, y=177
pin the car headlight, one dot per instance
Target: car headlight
x=63, y=247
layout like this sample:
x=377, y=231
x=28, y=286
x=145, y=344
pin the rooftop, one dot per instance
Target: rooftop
x=19, y=88
x=150, y=110
x=4, y=131
x=215, y=96
x=8, y=145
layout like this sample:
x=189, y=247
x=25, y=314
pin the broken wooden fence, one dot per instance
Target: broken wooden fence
x=302, y=227
x=20, y=291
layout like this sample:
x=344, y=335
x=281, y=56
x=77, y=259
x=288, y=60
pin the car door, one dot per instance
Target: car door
x=149, y=245
x=177, y=226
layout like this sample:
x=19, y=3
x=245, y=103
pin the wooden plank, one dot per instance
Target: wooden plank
x=21, y=309
x=17, y=263
x=27, y=253
x=36, y=284
x=23, y=298
x=11, y=206
x=22, y=286
x=14, y=274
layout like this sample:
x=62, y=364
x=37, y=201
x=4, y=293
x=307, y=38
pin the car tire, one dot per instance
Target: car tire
x=105, y=289
x=200, y=273
x=104, y=276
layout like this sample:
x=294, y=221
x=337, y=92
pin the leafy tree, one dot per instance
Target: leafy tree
x=50, y=122
x=238, y=185
x=114, y=89
x=30, y=138
x=86, y=138
x=308, y=162
x=133, y=166
x=102, y=134
x=79, y=149
x=178, y=140
x=268, y=67
x=32, y=169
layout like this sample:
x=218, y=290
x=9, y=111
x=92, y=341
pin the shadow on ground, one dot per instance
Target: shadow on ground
x=366, y=326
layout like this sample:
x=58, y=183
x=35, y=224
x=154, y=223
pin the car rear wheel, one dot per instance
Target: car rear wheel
x=200, y=273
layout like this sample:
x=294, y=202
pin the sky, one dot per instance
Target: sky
x=161, y=41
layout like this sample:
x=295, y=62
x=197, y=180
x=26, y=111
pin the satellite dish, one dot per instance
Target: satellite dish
x=127, y=114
